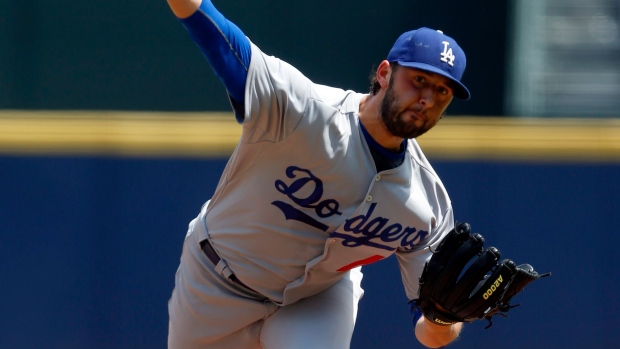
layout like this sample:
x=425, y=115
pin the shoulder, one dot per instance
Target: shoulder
x=279, y=71
x=417, y=155
x=425, y=173
x=347, y=101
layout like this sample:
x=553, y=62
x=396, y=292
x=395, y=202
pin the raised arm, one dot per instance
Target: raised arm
x=223, y=44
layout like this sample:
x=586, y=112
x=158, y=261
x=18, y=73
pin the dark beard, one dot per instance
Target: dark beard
x=391, y=117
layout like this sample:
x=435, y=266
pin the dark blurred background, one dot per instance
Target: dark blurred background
x=134, y=55
x=524, y=57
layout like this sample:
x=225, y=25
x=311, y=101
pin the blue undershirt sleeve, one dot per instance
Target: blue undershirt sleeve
x=224, y=45
x=416, y=313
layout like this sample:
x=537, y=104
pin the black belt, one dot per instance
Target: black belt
x=215, y=259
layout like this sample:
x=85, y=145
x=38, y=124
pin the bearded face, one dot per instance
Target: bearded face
x=396, y=115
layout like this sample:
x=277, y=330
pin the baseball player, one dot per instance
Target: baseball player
x=322, y=182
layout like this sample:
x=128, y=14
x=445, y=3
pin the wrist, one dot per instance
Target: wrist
x=433, y=335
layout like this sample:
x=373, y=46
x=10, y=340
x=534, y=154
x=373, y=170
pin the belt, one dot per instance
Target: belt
x=215, y=259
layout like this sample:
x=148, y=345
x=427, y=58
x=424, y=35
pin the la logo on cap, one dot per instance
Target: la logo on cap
x=447, y=56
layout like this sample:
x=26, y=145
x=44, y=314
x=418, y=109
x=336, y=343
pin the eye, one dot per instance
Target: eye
x=420, y=79
x=442, y=90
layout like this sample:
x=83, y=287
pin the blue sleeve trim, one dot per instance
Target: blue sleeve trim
x=416, y=313
x=224, y=45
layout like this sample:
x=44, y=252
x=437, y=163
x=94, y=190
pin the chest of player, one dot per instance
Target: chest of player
x=392, y=217
x=397, y=212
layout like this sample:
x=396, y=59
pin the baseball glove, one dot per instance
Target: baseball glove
x=463, y=282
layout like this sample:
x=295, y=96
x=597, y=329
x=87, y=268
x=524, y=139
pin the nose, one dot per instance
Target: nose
x=427, y=98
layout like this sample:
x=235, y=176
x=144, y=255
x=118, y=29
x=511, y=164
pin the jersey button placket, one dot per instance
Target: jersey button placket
x=369, y=197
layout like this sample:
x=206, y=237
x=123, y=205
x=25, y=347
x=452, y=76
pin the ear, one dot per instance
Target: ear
x=383, y=73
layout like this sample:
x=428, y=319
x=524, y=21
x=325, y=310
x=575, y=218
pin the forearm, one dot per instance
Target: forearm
x=435, y=336
x=223, y=44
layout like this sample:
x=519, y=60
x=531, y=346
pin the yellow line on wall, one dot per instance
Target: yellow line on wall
x=533, y=139
x=118, y=133
x=216, y=134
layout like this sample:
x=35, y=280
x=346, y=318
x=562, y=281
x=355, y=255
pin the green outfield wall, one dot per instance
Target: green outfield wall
x=119, y=55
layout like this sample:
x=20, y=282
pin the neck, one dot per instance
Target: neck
x=370, y=117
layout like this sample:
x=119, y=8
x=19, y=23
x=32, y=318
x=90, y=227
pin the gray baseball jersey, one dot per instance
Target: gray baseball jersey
x=300, y=201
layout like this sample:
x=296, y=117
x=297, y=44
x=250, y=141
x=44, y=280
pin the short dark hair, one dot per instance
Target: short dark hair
x=374, y=84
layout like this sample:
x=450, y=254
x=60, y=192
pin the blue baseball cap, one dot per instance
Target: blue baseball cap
x=433, y=51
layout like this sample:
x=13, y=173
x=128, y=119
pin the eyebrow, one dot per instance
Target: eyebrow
x=445, y=81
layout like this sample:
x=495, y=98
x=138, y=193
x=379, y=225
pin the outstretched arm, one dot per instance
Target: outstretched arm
x=223, y=44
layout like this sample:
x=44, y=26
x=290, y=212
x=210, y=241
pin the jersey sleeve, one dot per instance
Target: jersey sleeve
x=412, y=263
x=276, y=98
x=224, y=45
